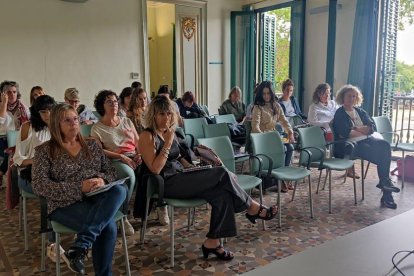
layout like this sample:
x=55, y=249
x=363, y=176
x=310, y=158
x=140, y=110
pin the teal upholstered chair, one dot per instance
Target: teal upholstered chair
x=153, y=182
x=227, y=118
x=269, y=147
x=313, y=140
x=85, y=130
x=194, y=127
x=384, y=127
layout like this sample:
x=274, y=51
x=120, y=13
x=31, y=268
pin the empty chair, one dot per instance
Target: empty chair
x=269, y=147
x=227, y=118
x=216, y=130
x=194, y=127
x=313, y=140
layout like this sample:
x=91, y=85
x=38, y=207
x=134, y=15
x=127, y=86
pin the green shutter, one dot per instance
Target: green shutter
x=389, y=28
x=269, y=47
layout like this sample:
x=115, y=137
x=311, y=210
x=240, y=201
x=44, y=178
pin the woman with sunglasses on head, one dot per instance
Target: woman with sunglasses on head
x=65, y=169
x=117, y=135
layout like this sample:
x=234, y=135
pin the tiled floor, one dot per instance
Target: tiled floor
x=252, y=247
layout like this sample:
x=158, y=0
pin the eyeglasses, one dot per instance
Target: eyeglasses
x=70, y=121
x=44, y=111
x=73, y=101
x=111, y=102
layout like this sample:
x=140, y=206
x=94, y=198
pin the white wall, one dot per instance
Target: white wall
x=218, y=50
x=57, y=45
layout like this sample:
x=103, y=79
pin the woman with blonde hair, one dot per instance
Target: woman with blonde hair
x=352, y=123
x=64, y=170
x=162, y=155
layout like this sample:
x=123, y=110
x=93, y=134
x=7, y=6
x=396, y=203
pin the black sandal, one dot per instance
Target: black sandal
x=269, y=214
x=226, y=255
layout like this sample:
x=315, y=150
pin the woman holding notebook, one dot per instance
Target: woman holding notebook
x=64, y=170
x=162, y=154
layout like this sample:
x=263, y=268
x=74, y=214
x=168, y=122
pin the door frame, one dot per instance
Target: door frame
x=202, y=5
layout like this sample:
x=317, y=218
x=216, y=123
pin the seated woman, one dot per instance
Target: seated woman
x=234, y=105
x=86, y=115
x=35, y=92
x=266, y=114
x=137, y=106
x=288, y=102
x=322, y=109
x=124, y=101
x=189, y=109
x=161, y=155
x=64, y=169
x=352, y=123
x=13, y=113
x=32, y=134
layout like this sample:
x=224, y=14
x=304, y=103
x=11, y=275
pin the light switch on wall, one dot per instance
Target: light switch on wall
x=134, y=75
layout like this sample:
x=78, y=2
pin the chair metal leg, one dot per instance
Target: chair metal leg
x=353, y=178
x=57, y=252
x=25, y=234
x=362, y=179
x=366, y=170
x=43, y=253
x=330, y=191
x=310, y=196
x=279, y=203
x=20, y=213
x=125, y=245
x=294, y=190
x=189, y=218
x=144, y=222
x=403, y=170
x=261, y=202
x=319, y=181
x=171, y=209
x=326, y=178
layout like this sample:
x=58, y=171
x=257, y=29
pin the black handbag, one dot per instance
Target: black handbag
x=26, y=173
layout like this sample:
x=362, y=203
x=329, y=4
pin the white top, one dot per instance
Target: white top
x=290, y=111
x=119, y=139
x=26, y=149
x=7, y=123
x=356, y=120
x=321, y=115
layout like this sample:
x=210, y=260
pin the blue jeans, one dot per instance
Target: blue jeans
x=93, y=219
x=289, y=152
x=25, y=185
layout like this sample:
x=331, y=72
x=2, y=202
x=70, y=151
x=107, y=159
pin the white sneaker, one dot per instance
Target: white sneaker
x=129, y=230
x=51, y=253
x=163, y=215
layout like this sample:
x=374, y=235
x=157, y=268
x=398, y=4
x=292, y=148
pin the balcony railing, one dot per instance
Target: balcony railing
x=402, y=115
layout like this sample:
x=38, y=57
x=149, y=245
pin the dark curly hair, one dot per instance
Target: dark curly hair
x=259, y=100
x=126, y=92
x=100, y=100
x=44, y=102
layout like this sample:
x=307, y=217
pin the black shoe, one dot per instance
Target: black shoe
x=387, y=201
x=388, y=186
x=76, y=256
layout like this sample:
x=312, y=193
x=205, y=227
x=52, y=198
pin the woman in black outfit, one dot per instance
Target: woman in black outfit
x=161, y=155
x=353, y=124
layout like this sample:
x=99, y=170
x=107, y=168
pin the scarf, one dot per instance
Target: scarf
x=19, y=113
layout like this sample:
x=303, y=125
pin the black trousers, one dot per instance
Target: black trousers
x=376, y=151
x=218, y=187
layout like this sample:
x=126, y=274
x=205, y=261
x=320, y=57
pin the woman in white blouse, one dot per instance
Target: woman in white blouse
x=322, y=110
x=32, y=134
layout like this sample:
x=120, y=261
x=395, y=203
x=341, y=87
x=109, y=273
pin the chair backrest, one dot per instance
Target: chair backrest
x=12, y=137
x=223, y=148
x=85, y=130
x=97, y=115
x=384, y=127
x=205, y=109
x=311, y=137
x=227, y=118
x=195, y=128
x=270, y=144
x=216, y=130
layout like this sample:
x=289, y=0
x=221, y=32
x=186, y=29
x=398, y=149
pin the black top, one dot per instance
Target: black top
x=342, y=125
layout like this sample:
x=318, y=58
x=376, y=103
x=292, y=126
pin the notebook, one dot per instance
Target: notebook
x=197, y=168
x=106, y=187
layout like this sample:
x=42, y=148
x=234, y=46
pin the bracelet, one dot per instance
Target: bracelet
x=165, y=150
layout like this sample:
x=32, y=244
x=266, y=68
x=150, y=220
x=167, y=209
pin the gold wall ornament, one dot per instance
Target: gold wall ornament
x=188, y=25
